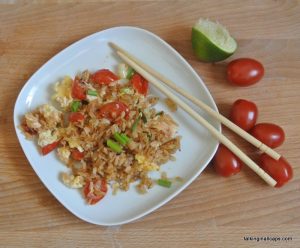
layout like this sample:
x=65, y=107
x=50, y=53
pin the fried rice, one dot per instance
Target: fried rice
x=82, y=145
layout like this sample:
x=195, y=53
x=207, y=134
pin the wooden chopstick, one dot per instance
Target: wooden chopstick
x=261, y=146
x=219, y=136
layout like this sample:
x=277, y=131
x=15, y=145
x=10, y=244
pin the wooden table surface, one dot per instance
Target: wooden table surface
x=212, y=211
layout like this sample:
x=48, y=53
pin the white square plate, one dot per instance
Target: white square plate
x=93, y=52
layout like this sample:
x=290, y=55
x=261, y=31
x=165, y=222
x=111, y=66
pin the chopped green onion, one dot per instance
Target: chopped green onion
x=136, y=122
x=122, y=70
x=126, y=90
x=143, y=116
x=130, y=73
x=160, y=113
x=120, y=139
x=92, y=93
x=75, y=106
x=114, y=146
x=125, y=137
x=164, y=182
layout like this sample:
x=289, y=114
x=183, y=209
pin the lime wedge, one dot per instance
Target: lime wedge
x=211, y=41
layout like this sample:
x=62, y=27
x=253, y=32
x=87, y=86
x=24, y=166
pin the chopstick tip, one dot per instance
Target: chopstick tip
x=113, y=45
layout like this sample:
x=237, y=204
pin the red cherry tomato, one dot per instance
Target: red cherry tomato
x=76, y=117
x=280, y=170
x=104, y=76
x=78, y=91
x=140, y=84
x=113, y=110
x=49, y=148
x=77, y=155
x=244, y=114
x=244, y=71
x=226, y=163
x=269, y=134
x=95, y=190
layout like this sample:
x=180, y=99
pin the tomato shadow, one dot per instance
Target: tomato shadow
x=224, y=108
x=209, y=170
x=216, y=72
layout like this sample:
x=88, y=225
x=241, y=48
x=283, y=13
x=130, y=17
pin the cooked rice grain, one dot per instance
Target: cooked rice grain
x=152, y=143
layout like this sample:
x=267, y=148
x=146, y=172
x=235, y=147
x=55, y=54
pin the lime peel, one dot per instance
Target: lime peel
x=211, y=41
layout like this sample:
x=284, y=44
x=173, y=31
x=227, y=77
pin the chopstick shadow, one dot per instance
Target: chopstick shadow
x=217, y=73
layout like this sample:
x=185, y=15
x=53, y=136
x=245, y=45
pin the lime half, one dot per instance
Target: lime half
x=211, y=41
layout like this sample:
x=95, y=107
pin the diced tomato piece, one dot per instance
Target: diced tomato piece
x=140, y=84
x=49, y=148
x=113, y=110
x=104, y=76
x=77, y=155
x=95, y=190
x=76, y=117
x=78, y=91
x=28, y=129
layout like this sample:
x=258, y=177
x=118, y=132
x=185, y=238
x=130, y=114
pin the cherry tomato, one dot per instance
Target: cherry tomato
x=140, y=84
x=244, y=114
x=104, y=76
x=77, y=155
x=49, y=148
x=226, y=163
x=280, y=170
x=269, y=134
x=78, y=91
x=244, y=71
x=113, y=110
x=76, y=117
x=95, y=190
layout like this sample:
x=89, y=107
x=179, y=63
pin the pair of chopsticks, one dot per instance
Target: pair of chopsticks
x=156, y=78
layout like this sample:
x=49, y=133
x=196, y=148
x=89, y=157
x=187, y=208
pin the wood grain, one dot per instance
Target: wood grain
x=212, y=211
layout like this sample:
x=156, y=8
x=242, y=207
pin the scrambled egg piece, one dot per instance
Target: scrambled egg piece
x=74, y=143
x=171, y=104
x=32, y=121
x=145, y=164
x=168, y=127
x=63, y=92
x=63, y=154
x=89, y=97
x=50, y=113
x=73, y=181
x=46, y=138
x=140, y=158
